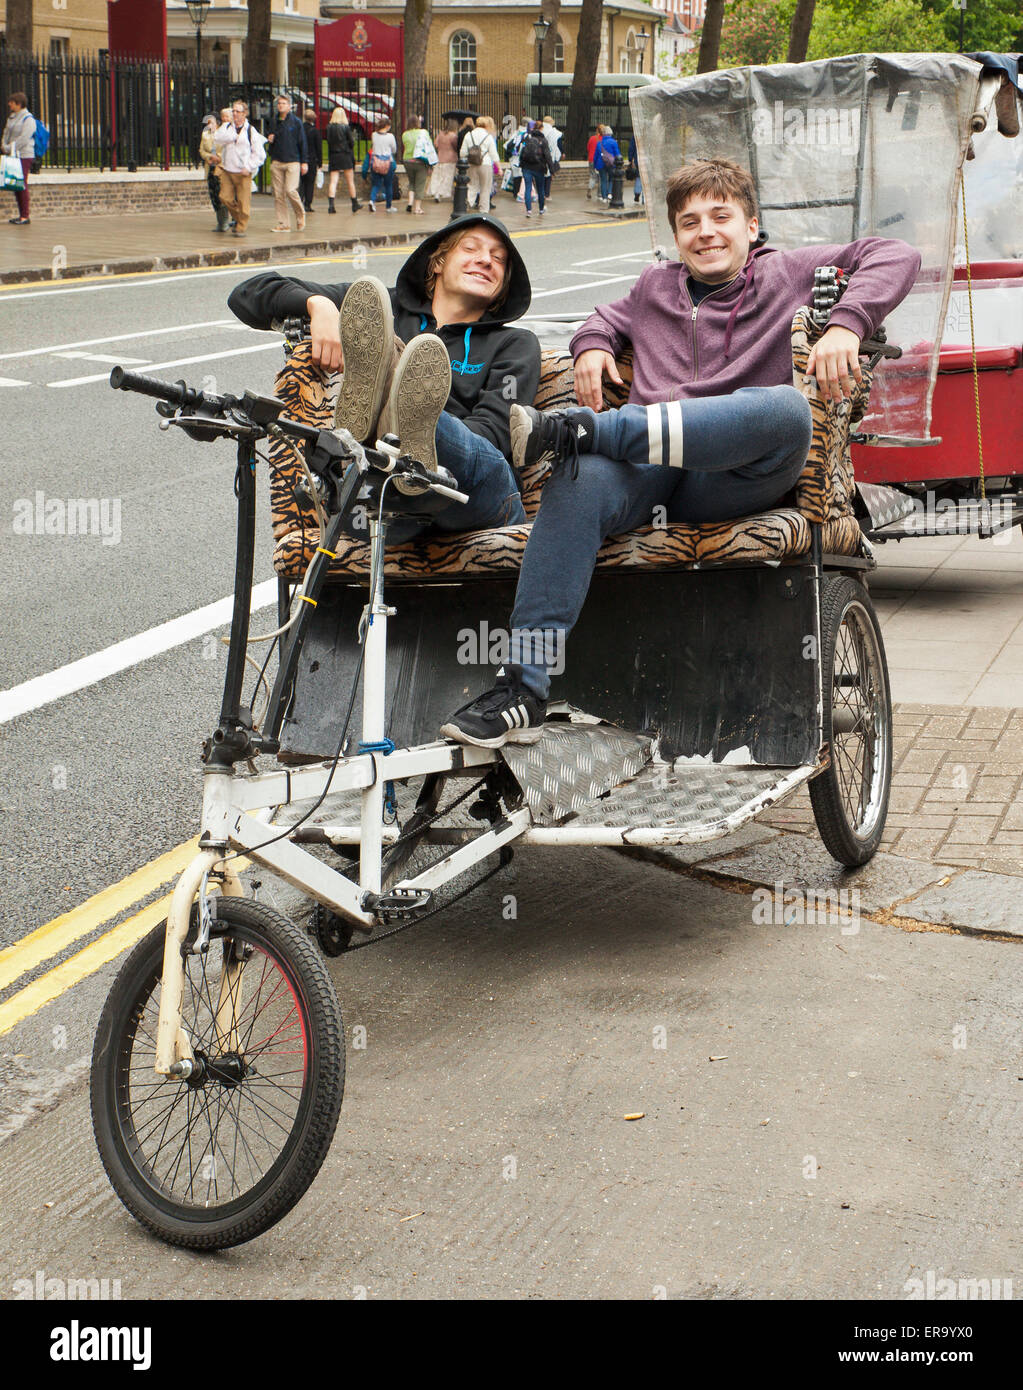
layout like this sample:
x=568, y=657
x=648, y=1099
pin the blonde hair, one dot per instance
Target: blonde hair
x=338, y=116
x=487, y=122
x=435, y=265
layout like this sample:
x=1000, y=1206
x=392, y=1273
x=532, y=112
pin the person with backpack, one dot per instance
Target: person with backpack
x=555, y=143
x=535, y=161
x=242, y=151
x=210, y=156
x=604, y=156
x=480, y=153
x=19, y=141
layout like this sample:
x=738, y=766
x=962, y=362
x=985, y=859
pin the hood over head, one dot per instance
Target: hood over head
x=411, y=283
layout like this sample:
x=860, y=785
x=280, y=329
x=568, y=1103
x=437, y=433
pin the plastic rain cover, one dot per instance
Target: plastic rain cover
x=863, y=145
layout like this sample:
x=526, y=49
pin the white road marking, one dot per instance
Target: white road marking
x=123, y=338
x=143, y=281
x=98, y=357
x=77, y=675
x=588, y=284
x=12, y=381
x=178, y=362
x=625, y=256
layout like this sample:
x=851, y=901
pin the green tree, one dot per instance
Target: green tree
x=989, y=26
x=863, y=26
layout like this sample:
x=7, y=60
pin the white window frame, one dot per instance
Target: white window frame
x=465, y=38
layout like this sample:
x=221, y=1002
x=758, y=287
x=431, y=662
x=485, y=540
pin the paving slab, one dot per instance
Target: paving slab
x=799, y=863
x=973, y=900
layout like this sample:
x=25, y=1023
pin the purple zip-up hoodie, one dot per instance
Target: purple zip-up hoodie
x=739, y=334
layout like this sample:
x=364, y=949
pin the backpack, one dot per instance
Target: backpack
x=42, y=139
x=475, y=155
x=532, y=149
x=381, y=164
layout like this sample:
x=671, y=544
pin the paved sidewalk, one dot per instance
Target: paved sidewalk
x=56, y=248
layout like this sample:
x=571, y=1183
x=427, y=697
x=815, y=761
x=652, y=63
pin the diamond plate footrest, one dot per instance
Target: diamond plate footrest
x=572, y=765
x=691, y=804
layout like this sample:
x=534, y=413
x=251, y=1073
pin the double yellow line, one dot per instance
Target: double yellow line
x=49, y=940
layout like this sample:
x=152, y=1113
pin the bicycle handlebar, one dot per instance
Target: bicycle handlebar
x=176, y=392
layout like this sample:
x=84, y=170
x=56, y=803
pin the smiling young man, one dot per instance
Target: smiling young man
x=714, y=429
x=447, y=395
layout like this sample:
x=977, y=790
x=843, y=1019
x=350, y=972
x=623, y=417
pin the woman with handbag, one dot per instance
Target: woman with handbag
x=18, y=143
x=340, y=157
x=382, y=162
x=417, y=152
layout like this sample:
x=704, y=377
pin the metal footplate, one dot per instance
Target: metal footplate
x=692, y=803
x=572, y=765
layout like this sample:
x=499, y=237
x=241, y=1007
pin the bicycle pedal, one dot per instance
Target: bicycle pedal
x=398, y=900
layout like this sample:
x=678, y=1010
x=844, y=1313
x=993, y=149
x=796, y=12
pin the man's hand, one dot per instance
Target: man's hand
x=590, y=369
x=325, y=333
x=835, y=362
x=303, y=168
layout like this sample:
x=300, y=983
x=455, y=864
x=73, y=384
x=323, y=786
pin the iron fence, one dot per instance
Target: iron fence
x=104, y=112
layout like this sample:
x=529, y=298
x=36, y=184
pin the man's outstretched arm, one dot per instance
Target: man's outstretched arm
x=257, y=302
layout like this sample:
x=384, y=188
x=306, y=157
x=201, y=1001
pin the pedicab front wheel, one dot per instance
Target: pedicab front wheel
x=213, y=1160
x=850, y=798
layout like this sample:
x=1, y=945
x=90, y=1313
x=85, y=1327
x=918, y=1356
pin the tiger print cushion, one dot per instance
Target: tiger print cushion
x=823, y=492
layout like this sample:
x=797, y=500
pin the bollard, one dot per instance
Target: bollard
x=460, y=202
x=617, y=179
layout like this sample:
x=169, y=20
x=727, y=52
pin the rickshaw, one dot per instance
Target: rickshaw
x=755, y=666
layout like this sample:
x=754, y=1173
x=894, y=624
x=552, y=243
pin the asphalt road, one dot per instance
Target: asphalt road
x=847, y=1136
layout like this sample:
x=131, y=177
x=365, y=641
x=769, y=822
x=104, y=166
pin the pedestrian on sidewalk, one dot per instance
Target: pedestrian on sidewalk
x=535, y=160
x=604, y=157
x=591, y=147
x=340, y=157
x=242, y=151
x=442, y=183
x=211, y=159
x=288, y=162
x=417, y=150
x=480, y=153
x=633, y=166
x=314, y=158
x=382, y=163
x=19, y=141
x=554, y=139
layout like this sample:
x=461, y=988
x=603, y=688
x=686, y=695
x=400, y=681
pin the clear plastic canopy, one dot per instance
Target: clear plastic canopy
x=862, y=145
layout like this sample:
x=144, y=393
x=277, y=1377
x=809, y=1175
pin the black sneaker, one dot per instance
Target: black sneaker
x=506, y=714
x=557, y=436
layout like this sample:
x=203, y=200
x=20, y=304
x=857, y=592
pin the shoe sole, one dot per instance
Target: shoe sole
x=419, y=392
x=457, y=735
x=367, y=341
x=521, y=427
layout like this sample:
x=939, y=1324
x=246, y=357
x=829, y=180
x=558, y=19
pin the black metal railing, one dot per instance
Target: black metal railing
x=103, y=111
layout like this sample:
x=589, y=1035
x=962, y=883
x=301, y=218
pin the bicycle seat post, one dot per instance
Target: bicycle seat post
x=374, y=709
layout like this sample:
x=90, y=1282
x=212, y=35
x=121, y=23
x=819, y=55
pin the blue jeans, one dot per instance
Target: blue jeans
x=481, y=470
x=380, y=184
x=531, y=178
x=726, y=457
x=605, y=180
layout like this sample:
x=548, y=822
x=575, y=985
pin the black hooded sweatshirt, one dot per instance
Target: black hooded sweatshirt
x=492, y=365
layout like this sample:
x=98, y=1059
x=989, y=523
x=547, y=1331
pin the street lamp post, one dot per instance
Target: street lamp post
x=197, y=10
x=641, y=42
x=541, y=28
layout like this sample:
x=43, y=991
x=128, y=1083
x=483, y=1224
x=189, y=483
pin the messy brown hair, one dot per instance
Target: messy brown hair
x=435, y=265
x=710, y=178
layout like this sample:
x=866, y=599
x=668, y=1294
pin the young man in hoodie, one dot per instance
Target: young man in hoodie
x=714, y=429
x=448, y=393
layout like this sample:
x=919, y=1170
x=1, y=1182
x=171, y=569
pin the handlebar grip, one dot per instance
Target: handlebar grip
x=121, y=380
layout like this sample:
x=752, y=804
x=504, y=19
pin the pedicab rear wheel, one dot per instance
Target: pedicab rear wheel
x=213, y=1160
x=850, y=798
